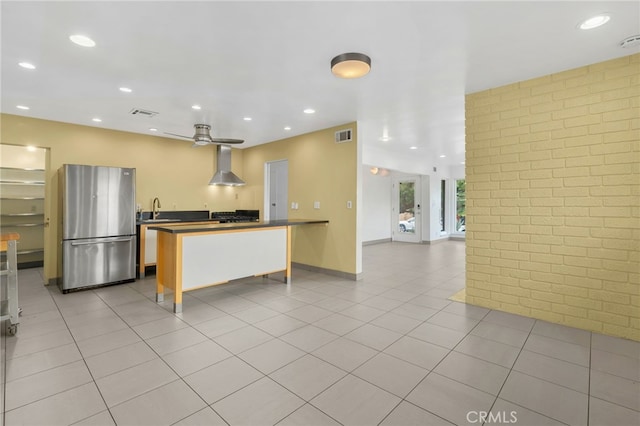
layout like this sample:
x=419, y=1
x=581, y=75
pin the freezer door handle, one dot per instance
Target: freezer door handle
x=87, y=243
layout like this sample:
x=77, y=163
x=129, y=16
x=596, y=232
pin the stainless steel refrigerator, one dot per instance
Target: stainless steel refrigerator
x=98, y=229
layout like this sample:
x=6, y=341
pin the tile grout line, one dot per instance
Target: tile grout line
x=84, y=359
x=510, y=371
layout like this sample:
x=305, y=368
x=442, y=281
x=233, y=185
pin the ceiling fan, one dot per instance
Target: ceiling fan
x=203, y=137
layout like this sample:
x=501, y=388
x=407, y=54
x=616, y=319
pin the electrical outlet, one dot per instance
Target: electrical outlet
x=206, y=206
x=174, y=206
x=349, y=204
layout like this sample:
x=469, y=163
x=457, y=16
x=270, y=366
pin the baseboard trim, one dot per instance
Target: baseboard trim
x=333, y=272
x=373, y=242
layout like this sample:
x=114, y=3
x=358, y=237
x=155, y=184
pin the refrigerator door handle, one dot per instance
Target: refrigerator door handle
x=86, y=243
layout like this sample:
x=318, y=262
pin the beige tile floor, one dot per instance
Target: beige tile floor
x=390, y=349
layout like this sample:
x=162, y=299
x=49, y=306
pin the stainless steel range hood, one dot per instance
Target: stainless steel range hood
x=224, y=175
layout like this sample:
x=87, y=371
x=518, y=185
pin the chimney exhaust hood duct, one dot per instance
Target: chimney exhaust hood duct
x=224, y=175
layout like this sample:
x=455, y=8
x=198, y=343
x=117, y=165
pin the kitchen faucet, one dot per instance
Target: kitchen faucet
x=155, y=208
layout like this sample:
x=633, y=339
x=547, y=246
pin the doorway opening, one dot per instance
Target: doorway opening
x=22, y=183
x=276, y=187
x=406, y=218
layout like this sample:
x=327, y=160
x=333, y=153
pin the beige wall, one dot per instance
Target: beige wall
x=553, y=198
x=319, y=170
x=165, y=168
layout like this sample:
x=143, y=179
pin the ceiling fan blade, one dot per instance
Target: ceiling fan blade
x=226, y=141
x=180, y=136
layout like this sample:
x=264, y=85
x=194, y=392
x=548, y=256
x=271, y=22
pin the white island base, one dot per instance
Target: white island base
x=189, y=260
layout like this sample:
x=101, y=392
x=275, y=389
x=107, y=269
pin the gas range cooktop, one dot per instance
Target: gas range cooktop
x=237, y=216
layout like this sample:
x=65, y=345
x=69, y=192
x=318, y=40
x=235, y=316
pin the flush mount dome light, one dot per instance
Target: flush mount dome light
x=594, y=22
x=351, y=65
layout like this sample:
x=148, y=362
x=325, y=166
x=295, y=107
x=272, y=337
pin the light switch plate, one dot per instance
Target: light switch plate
x=349, y=204
x=316, y=204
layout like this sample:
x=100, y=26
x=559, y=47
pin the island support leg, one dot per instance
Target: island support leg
x=287, y=274
x=169, y=268
x=159, y=271
x=177, y=268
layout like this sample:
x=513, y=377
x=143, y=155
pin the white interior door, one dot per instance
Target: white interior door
x=277, y=188
x=406, y=218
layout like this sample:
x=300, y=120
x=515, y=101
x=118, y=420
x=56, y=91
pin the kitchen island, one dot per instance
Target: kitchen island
x=192, y=256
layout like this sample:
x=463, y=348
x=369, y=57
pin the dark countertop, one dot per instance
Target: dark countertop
x=186, y=228
x=161, y=222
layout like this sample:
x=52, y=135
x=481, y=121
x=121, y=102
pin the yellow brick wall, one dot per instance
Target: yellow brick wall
x=553, y=198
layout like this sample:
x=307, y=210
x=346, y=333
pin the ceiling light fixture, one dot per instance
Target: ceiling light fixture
x=594, y=22
x=125, y=90
x=247, y=119
x=351, y=65
x=309, y=111
x=153, y=129
x=97, y=120
x=22, y=107
x=385, y=139
x=442, y=156
x=31, y=148
x=27, y=65
x=287, y=128
x=82, y=40
x=196, y=107
x=413, y=147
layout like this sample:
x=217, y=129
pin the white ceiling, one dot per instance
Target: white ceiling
x=270, y=60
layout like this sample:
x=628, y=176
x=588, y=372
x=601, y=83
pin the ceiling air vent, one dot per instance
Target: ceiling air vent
x=143, y=112
x=630, y=41
x=343, y=136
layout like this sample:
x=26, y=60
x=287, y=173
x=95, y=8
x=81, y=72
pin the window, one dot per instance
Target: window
x=461, y=204
x=442, y=204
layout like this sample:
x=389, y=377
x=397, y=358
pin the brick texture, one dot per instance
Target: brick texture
x=553, y=198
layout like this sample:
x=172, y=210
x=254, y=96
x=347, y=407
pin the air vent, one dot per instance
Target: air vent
x=630, y=41
x=343, y=136
x=143, y=112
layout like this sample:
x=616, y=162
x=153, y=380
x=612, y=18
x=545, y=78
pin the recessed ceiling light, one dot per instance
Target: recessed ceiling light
x=196, y=107
x=125, y=90
x=27, y=65
x=97, y=120
x=309, y=111
x=413, y=147
x=287, y=128
x=82, y=40
x=247, y=119
x=153, y=129
x=22, y=107
x=594, y=22
x=442, y=156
